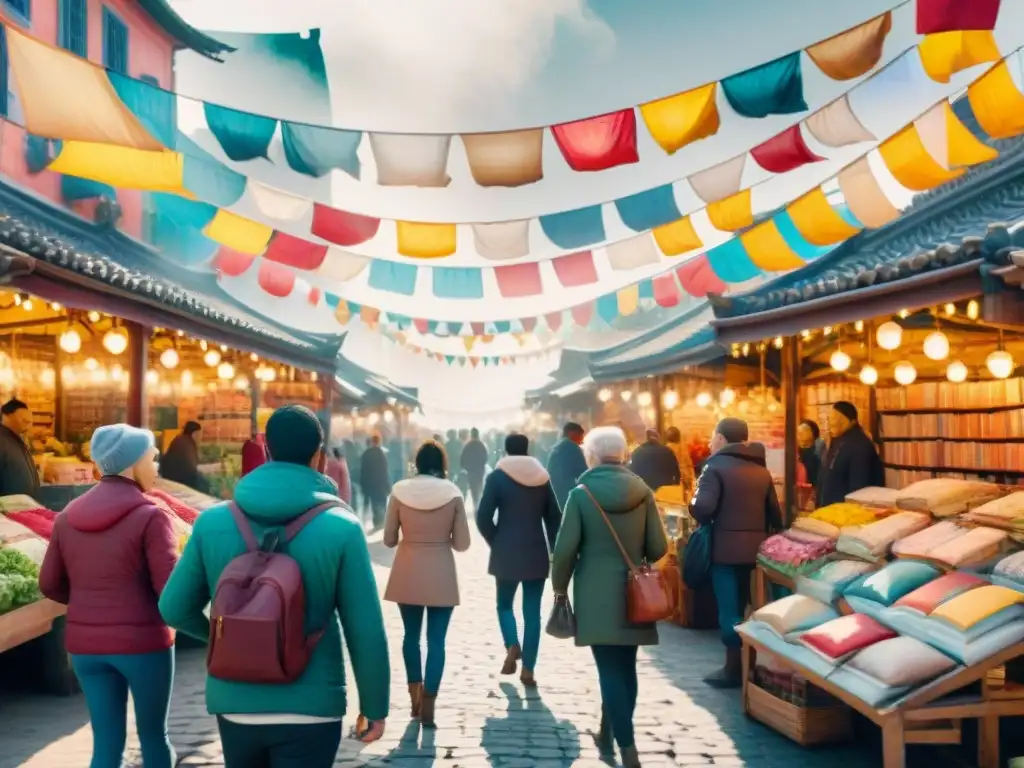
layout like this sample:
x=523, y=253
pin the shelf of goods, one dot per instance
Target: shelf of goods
x=694, y=609
x=906, y=606
x=26, y=527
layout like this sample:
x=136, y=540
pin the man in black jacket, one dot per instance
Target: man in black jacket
x=474, y=464
x=18, y=473
x=654, y=463
x=851, y=461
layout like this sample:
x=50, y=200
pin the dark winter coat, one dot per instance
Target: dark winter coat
x=374, y=474
x=587, y=554
x=110, y=555
x=522, y=538
x=565, y=465
x=736, y=494
x=180, y=463
x=18, y=473
x=656, y=465
x=473, y=460
x=851, y=463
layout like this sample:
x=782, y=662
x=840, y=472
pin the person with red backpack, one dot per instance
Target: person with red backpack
x=286, y=571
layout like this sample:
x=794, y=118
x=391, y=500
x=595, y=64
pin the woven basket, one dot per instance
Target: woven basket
x=806, y=726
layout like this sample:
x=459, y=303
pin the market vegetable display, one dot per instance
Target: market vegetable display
x=19, y=580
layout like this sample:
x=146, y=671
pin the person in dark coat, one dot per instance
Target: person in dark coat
x=654, y=463
x=453, y=449
x=521, y=540
x=180, y=463
x=851, y=461
x=18, y=472
x=375, y=480
x=736, y=494
x=567, y=463
x=474, y=463
x=810, y=449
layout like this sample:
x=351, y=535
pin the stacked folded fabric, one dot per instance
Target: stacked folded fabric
x=11, y=531
x=836, y=641
x=945, y=497
x=872, y=593
x=39, y=520
x=873, y=542
x=778, y=626
x=881, y=498
x=1009, y=572
x=17, y=503
x=889, y=669
x=832, y=520
x=921, y=544
x=793, y=553
x=978, y=545
x=1006, y=513
x=970, y=626
x=828, y=582
x=925, y=599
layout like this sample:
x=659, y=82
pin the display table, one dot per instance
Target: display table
x=28, y=622
x=913, y=719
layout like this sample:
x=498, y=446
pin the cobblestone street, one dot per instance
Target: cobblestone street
x=483, y=718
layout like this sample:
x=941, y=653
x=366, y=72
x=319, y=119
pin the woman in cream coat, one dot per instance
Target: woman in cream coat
x=429, y=511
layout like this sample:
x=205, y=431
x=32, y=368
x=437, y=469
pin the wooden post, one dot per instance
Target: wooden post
x=58, y=392
x=659, y=411
x=254, y=404
x=327, y=409
x=790, y=376
x=138, y=364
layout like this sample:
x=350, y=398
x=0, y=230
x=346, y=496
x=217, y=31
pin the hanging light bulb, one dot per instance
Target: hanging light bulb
x=212, y=358
x=950, y=309
x=973, y=310
x=956, y=372
x=152, y=377
x=905, y=373
x=373, y=418
x=778, y=342
x=904, y=314
x=186, y=379
x=48, y=378
x=1000, y=364
x=169, y=358
x=115, y=341
x=859, y=326
x=727, y=397
x=225, y=371
x=936, y=346
x=241, y=383
x=91, y=364
x=203, y=345
x=869, y=375
x=827, y=330
x=116, y=372
x=889, y=336
x=745, y=349
x=805, y=334
x=70, y=341
x=604, y=395
x=314, y=377
x=94, y=316
x=644, y=399
x=626, y=395
x=17, y=299
x=670, y=399
x=703, y=399
x=27, y=305
x=67, y=374
x=254, y=357
x=389, y=416
x=840, y=361
x=55, y=306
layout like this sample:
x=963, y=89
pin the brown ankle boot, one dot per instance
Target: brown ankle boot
x=427, y=710
x=603, y=739
x=630, y=758
x=526, y=678
x=415, y=699
x=512, y=655
x=731, y=675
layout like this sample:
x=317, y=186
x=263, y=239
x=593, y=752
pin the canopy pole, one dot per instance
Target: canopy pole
x=790, y=399
x=138, y=362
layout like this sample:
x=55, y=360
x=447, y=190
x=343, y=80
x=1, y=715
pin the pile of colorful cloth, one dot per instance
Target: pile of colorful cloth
x=833, y=520
x=795, y=552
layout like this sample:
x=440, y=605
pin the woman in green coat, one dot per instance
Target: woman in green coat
x=585, y=552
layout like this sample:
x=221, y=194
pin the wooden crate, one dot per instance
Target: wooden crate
x=805, y=726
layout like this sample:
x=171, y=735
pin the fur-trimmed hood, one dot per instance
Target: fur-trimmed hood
x=524, y=470
x=425, y=492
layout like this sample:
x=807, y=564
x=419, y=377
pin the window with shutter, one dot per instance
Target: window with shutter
x=72, y=27
x=115, y=43
x=22, y=8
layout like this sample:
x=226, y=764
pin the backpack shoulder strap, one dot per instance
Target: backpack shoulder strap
x=611, y=528
x=295, y=526
x=244, y=527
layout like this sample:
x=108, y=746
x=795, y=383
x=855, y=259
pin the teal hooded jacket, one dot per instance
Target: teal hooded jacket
x=341, y=595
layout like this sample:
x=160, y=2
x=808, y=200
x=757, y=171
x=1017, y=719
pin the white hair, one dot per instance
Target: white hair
x=604, y=444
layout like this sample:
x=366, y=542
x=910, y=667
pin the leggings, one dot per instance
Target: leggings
x=616, y=673
x=105, y=682
x=279, y=746
x=533, y=591
x=437, y=629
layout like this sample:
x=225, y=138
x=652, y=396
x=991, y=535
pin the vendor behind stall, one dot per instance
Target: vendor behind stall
x=851, y=462
x=180, y=463
x=18, y=473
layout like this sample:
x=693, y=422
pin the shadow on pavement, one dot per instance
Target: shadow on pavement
x=529, y=730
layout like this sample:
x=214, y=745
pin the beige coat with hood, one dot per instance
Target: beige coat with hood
x=430, y=514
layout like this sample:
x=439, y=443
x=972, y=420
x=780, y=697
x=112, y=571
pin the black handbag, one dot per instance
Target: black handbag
x=562, y=621
x=697, y=557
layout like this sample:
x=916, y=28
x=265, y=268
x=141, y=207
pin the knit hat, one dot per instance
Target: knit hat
x=849, y=410
x=117, y=447
x=294, y=435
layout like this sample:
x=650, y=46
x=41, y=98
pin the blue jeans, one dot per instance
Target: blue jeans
x=437, y=629
x=105, y=682
x=533, y=591
x=313, y=745
x=732, y=592
x=616, y=674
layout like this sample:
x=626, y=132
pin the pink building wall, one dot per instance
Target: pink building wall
x=150, y=52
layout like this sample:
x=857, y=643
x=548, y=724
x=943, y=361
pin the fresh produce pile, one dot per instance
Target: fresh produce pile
x=19, y=580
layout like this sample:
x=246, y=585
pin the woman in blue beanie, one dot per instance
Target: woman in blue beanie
x=111, y=553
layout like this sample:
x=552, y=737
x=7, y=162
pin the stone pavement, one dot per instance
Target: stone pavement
x=483, y=718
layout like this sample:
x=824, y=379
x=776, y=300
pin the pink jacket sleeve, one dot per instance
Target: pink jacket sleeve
x=53, y=576
x=344, y=483
x=161, y=550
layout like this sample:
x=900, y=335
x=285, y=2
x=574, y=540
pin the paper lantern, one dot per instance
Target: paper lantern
x=936, y=346
x=956, y=372
x=91, y=364
x=670, y=399
x=604, y=395
x=869, y=375
x=1000, y=364
x=115, y=341
x=644, y=399
x=70, y=341
x=840, y=361
x=704, y=399
x=169, y=358
x=889, y=335
x=905, y=373
x=225, y=371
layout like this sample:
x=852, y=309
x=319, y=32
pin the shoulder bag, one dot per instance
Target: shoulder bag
x=697, y=557
x=647, y=598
